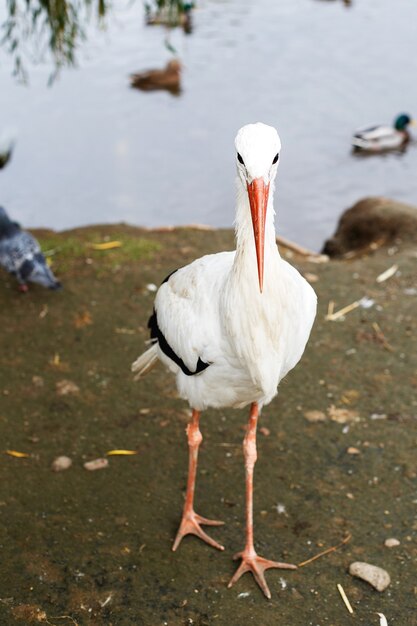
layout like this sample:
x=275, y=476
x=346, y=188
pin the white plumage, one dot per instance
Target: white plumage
x=212, y=309
x=247, y=325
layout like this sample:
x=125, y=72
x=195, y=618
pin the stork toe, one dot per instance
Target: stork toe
x=257, y=565
x=191, y=525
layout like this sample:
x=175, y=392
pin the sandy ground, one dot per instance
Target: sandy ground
x=81, y=547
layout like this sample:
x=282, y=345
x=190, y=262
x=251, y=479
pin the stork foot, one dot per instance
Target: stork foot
x=251, y=562
x=191, y=525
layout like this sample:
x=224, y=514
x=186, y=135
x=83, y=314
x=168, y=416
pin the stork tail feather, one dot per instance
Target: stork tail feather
x=145, y=362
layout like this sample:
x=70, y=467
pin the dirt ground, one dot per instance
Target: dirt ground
x=80, y=547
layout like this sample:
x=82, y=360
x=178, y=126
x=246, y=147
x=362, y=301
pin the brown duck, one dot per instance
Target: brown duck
x=168, y=78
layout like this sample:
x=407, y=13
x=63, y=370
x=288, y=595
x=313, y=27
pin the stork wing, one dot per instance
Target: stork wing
x=187, y=312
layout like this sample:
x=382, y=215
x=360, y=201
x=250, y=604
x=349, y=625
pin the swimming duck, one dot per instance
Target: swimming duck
x=382, y=138
x=171, y=16
x=169, y=78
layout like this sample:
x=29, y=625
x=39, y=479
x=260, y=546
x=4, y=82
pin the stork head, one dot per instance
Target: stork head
x=258, y=148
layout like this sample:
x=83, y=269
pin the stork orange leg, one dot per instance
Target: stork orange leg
x=191, y=521
x=251, y=562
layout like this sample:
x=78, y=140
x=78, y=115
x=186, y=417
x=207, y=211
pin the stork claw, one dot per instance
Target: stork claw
x=257, y=565
x=191, y=525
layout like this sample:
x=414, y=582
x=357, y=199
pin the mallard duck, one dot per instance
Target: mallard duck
x=169, y=78
x=382, y=138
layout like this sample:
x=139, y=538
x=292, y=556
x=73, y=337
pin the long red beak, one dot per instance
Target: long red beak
x=258, y=199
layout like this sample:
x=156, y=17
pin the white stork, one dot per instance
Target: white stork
x=231, y=325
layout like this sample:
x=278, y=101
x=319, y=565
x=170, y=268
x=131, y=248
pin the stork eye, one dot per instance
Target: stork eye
x=276, y=157
x=239, y=158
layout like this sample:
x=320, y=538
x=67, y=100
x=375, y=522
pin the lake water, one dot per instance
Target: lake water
x=90, y=149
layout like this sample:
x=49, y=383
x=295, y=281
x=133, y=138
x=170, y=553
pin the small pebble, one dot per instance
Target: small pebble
x=312, y=278
x=352, y=450
x=315, y=416
x=391, y=542
x=375, y=576
x=366, y=303
x=66, y=387
x=61, y=463
x=97, y=464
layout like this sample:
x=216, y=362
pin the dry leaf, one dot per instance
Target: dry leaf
x=83, y=319
x=350, y=396
x=56, y=360
x=29, y=613
x=342, y=416
x=66, y=387
x=107, y=245
x=18, y=455
x=315, y=416
x=44, y=312
x=121, y=452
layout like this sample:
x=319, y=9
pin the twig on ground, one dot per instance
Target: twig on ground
x=380, y=335
x=315, y=257
x=346, y=309
x=345, y=598
x=332, y=549
x=387, y=274
x=66, y=617
x=374, y=245
x=330, y=308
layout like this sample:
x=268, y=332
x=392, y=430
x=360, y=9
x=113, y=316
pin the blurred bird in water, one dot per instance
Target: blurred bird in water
x=20, y=254
x=7, y=142
x=169, y=78
x=231, y=325
x=171, y=16
x=383, y=138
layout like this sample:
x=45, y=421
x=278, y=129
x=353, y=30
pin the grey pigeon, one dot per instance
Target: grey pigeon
x=20, y=254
